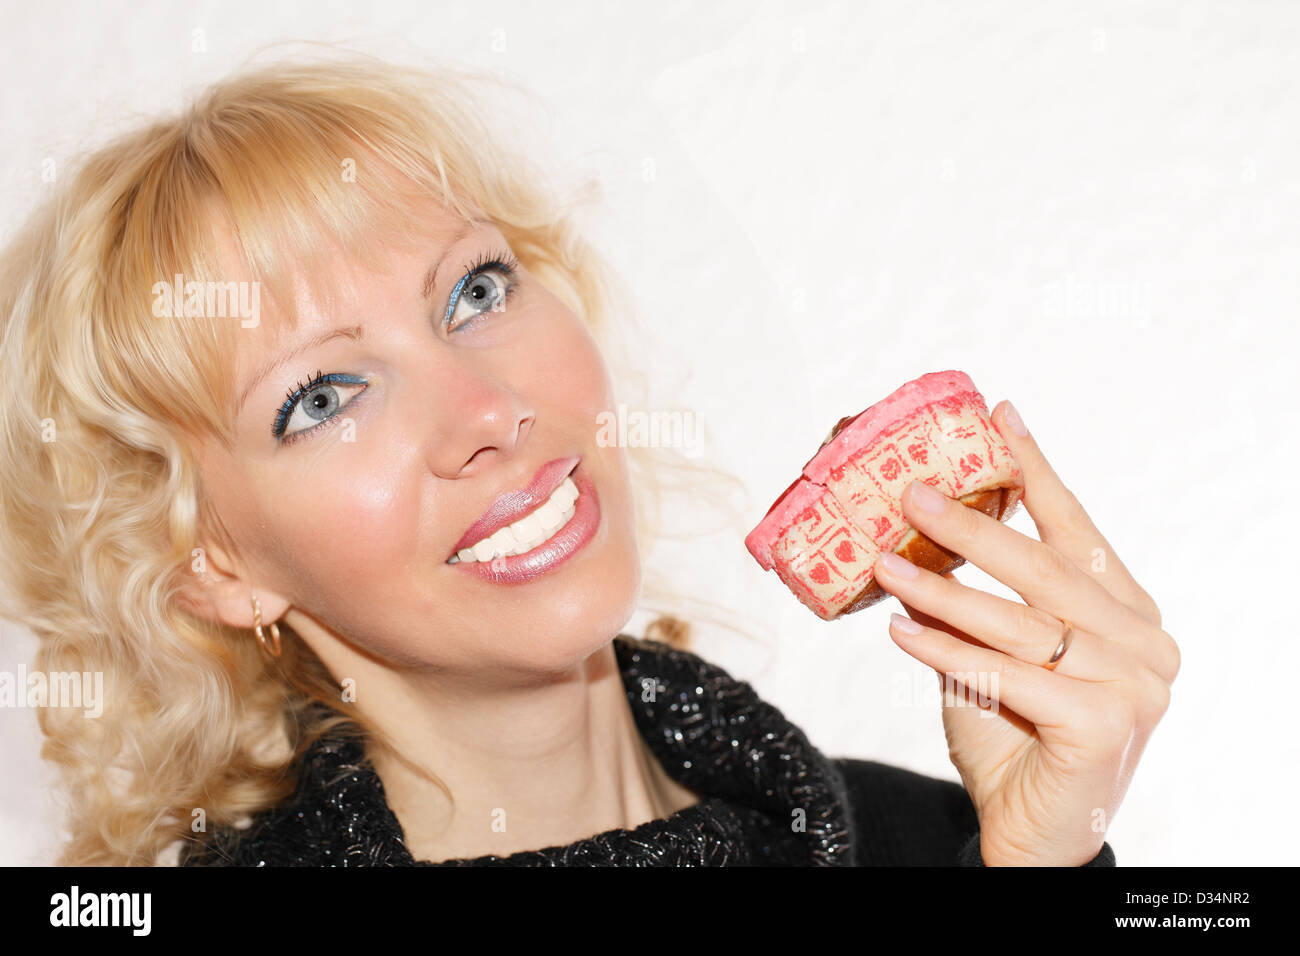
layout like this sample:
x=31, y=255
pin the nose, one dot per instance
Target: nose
x=485, y=423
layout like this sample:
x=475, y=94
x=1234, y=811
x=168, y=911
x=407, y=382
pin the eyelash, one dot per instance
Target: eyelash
x=500, y=260
x=291, y=403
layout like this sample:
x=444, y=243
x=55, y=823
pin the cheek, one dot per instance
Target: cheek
x=572, y=378
x=344, y=524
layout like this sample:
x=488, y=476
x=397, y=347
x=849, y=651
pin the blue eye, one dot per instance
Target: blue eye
x=485, y=287
x=312, y=405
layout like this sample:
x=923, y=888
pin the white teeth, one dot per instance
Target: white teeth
x=504, y=540
x=529, y=531
x=548, y=516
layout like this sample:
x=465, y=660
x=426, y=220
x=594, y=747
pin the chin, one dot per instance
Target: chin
x=584, y=620
x=599, y=597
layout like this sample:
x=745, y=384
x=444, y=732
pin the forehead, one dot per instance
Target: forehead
x=333, y=278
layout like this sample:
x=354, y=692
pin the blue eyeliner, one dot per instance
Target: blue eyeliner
x=502, y=261
x=286, y=410
x=455, y=297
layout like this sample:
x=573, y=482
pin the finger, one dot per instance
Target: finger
x=1025, y=633
x=1062, y=521
x=1040, y=574
x=1051, y=701
x=918, y=615
x=939, y=625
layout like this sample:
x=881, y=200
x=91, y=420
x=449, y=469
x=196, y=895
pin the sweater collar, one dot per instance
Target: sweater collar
x=718, y=737
x=756, y=772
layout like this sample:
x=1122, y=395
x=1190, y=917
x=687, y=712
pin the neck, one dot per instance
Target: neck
x=527, y=767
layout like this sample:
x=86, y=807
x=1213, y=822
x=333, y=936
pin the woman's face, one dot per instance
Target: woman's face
x=432, y=408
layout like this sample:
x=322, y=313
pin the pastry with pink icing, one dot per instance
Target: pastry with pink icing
x=824, y=533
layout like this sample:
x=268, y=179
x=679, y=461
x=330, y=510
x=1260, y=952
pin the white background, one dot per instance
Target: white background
x=1093, y=209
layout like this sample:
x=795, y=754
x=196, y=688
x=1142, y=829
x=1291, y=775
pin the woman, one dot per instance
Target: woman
x=279, y=371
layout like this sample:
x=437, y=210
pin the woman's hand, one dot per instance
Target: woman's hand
x=1048, y=758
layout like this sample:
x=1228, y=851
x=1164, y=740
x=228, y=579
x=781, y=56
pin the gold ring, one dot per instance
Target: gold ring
x=1062, y=647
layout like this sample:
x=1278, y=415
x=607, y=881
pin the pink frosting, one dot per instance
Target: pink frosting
x=904, y=401
x=781, y=515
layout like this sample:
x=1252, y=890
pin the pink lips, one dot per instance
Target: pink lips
x=555, y=552
x=513, y=505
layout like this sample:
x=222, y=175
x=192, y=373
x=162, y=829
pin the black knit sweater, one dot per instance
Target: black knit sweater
x=768, y=796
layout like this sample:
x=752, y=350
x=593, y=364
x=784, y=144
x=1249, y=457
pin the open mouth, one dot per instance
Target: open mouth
x=528, y=533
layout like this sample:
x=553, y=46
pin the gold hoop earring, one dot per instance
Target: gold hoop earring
x=261, y=636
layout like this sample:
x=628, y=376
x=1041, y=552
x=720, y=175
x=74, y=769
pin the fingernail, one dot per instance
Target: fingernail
x=927, y=499
x=1015, y=421
x=896, y=564
x=904, y=624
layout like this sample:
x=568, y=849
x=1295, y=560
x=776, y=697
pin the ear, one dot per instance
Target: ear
x=213, y=588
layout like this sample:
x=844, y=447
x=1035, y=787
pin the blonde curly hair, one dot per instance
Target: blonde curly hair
x=101, y=506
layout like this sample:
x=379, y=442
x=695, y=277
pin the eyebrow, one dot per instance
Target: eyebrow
x=431, y=277
x=354, y=332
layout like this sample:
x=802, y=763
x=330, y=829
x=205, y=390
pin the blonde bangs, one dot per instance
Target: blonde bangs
x=289, y=165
